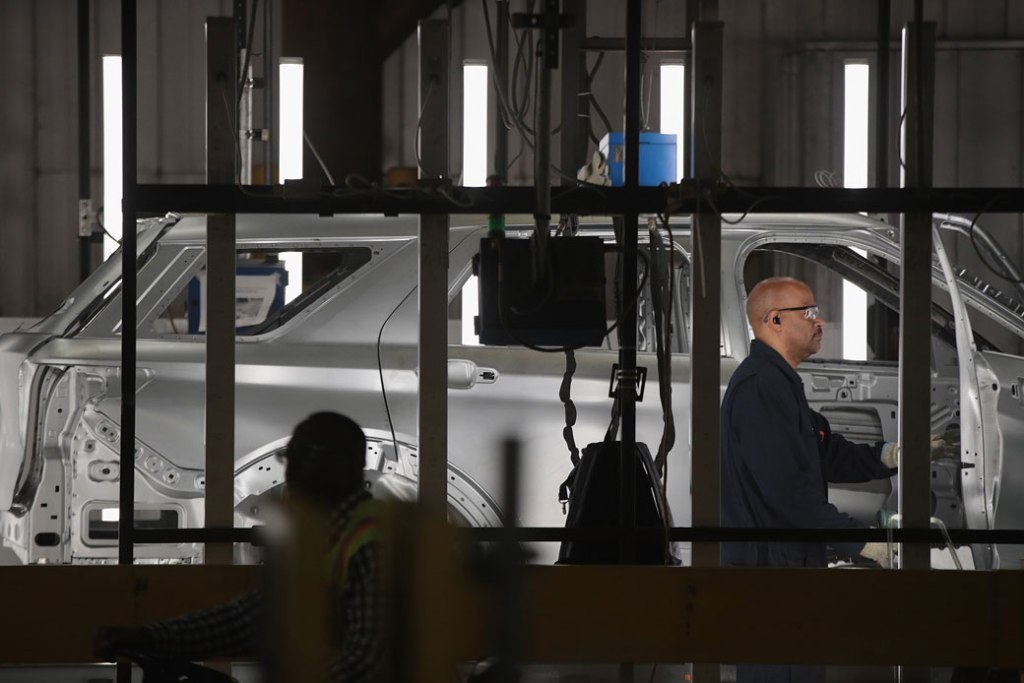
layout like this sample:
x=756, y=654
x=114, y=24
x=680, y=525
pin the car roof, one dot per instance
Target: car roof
x=302, y=227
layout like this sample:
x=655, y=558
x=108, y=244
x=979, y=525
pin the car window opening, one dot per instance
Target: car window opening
x=261, y=278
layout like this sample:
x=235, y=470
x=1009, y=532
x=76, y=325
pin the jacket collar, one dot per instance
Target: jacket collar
x=758, y=349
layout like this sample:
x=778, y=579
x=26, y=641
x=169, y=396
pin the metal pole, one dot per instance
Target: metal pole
x=500, y=81
x=221, y=134
x=882, y=96
x=628, y=313
x=432, y=359
x=129, y=244
x=84, y=151
x=915, y=292
x=705, y=348
x=915, y=301
x=706, y=154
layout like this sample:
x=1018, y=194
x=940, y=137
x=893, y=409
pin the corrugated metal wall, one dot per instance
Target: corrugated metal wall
x=782, y=101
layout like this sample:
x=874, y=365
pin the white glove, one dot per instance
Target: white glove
x=891, y=454
x=879, y=552
x=596, y=172
x=938, y=447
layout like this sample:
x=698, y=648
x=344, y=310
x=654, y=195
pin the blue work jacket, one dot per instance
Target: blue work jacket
x=778, y=456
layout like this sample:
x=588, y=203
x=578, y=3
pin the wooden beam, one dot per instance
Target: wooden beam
x=654, y=614
x=52, y=615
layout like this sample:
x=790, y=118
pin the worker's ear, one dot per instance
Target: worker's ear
x=776, y=319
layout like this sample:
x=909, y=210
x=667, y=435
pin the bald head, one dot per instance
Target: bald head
x=777, y=309
x=768, y=295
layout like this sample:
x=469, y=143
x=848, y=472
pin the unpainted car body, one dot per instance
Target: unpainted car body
x=348, y=343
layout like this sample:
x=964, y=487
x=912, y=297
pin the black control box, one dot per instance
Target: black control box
x=556, y=299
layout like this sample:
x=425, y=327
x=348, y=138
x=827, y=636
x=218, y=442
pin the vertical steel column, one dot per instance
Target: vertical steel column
x=705, y=301
x=432, y=410
x=129, y=288
x=575, y=107
x=706, y=349
x=221, y=134
x=882, y=96
x=880, y=320
x=84, y=151
x=915, y=291
x=628, y=313
x=500, y=81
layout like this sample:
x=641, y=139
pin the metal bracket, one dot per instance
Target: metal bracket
x=84, y=217
x=618, y=376
x=551, y=22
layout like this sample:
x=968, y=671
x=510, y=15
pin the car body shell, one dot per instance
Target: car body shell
x=354, y=349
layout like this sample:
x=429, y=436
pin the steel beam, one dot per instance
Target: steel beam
x=129, y=285
x=882, y=95
x=627, y=309
x=705, y=148
x=500, y=81
x=706, y=154
x=432, y=359
x=678, y=199
x=915, y=292
x=221, y=134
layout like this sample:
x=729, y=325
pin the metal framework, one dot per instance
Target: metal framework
x=715, y=600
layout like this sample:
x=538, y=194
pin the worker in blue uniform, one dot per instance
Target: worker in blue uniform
x=778, y=455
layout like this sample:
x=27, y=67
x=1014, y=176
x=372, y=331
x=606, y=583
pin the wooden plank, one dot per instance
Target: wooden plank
x=667, y=614
x=656, y=614
x=705, y=615
x=53, y=614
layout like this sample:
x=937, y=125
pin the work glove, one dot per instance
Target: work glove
x=877, y=552
x=945, y=445
x=596, y=172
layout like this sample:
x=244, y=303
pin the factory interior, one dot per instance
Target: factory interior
x=512, y=341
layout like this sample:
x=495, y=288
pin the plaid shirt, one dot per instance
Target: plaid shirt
x=234, y=628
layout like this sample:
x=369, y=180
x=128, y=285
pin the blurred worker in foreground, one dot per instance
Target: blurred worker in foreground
x=778, y=455
x=324, y=464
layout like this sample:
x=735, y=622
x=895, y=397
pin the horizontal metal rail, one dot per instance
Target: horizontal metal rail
x=684, y=198
x=254, y=535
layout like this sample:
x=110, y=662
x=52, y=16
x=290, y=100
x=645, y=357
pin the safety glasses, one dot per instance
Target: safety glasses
x=811, y=312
